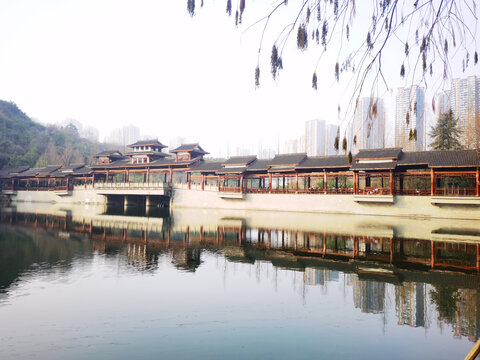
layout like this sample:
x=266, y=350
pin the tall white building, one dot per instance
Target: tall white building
x=301, y=145
x=290, y=146
x=330, y=135
x=442, y=101
x=131, y=134
x=410, y=118
x=175, y=142
x=315, y=137
x=466, y=108
x=368, y=126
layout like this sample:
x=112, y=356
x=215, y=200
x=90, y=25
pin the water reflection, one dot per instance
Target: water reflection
x=421, y=282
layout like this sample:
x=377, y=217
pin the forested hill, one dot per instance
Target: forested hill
x=25, y=142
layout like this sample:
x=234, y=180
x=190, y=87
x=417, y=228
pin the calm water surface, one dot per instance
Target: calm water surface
x=79, y=283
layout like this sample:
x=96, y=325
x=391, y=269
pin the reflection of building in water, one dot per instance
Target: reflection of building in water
x=410, y=304
x=319, y=276
x=467, y=315
x=136, y=254
x=369, y=296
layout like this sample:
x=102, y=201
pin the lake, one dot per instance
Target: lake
x=92, y=282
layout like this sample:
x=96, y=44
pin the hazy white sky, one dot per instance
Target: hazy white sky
x=109, y=63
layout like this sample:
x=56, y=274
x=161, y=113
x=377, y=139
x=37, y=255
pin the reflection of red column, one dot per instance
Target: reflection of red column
x=324, y=243
x=296, y=238
x=432, y=259
x=478, y=258
x=168, y=239
x=355, y=246
x=392, y=249
x=187, y=236
x=269, y=238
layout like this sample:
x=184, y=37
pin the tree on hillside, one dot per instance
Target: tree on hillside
x=446, y=134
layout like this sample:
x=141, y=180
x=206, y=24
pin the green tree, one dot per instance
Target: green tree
x=446, y=133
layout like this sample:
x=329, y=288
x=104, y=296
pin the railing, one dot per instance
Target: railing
x=374, y=191
x=131, y=185
x=456, y=191
x=413, y=192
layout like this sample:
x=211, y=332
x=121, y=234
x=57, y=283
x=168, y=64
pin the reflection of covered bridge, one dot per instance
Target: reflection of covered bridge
x=148, y=174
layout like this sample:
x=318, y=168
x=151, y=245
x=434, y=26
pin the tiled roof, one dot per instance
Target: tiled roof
x=454, y=158
x=388, y=153
x=240, y=160
x=152, y=142
x=235, y=170
x=390, y=165
x=147, y=152
x=288, y=159
x=110, y=153
x=441, y=158
x=189, y=148
x=83, y=170
x=71, y=167
x=334, y=161
x=48, y=170
x=207, y=166
x=259, y=165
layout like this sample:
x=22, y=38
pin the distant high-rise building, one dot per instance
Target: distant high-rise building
x=369, y=124
x=465, y=101
x=290, y=146
x=175, y=142
x=330, y=135
x=315, y=137
x=124, y=136
x=410, y=119
x=301, y=146
x=442, y=103
x=131, y=134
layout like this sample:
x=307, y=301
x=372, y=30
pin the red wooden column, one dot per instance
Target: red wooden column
x=432, y=182
x=203, y=182
x=355, y=183
x=241, y=183
x=106, y=177
x=189, y=180
x=148, y=175
x=324, y=181
x=296, y=185
x=392, y=183
x=477, y=176
x=171, y=176
x=269, y=183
